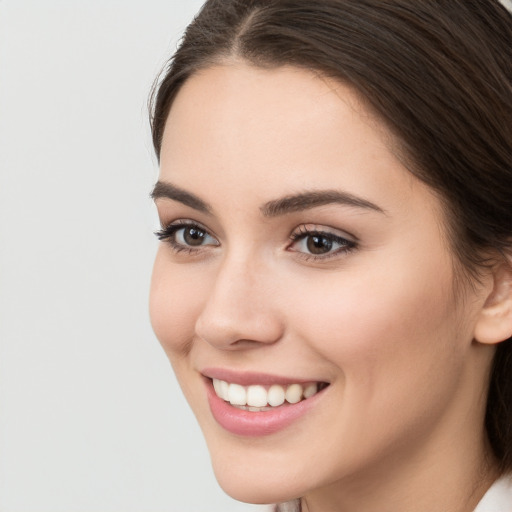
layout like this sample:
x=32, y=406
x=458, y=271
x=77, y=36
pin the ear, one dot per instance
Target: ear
x=495, y=320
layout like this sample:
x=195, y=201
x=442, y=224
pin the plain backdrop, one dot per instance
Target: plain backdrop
x=91, y=417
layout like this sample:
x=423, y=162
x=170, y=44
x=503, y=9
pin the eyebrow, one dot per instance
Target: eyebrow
x=308, y=200
x=164, y=189
x=285, y=205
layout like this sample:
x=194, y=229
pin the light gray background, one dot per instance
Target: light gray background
x=91, y=418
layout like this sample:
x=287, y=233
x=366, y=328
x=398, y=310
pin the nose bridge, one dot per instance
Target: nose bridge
x=239, y=307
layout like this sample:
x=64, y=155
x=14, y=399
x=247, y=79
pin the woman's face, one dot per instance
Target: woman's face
x=298, y=255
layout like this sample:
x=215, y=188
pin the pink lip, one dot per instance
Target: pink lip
x=246, y=423
x=249, y=378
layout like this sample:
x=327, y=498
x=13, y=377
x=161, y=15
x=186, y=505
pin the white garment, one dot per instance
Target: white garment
x=498, y=498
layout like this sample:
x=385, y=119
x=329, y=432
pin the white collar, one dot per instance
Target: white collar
x=498, y=498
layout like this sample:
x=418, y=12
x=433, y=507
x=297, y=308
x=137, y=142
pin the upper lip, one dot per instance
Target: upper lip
x=248, y=378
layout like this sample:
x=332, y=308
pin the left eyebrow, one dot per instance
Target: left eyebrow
x=308, y=200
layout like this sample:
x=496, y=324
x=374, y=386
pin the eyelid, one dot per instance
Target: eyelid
x=307, y=229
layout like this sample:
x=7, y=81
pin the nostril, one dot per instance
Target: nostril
x=237, y=329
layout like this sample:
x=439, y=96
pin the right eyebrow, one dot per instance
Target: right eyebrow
x=163, y=189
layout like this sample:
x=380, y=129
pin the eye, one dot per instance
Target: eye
x=312, y=242
x=183, y=235
x=192, y=236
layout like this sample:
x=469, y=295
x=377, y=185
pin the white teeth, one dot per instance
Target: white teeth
x=256, y=398
x=293, y=393
x=237, y=395
x=217, y=386
x=310, y=390
x=275, y=395
x=224, y=390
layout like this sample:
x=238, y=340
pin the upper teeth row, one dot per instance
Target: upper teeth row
x=259, y=396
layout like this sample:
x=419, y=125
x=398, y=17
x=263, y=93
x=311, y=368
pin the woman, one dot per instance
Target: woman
x=334, y=286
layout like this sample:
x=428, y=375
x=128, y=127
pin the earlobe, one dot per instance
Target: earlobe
x=495, y=320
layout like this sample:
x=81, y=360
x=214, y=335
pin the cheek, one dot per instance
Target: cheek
x=391, y=337
x=175, y=302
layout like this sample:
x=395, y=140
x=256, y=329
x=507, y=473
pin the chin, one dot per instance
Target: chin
x=259, y=475
x=245, y=486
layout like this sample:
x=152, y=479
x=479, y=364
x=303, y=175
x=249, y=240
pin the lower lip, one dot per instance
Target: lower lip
x=246, y=423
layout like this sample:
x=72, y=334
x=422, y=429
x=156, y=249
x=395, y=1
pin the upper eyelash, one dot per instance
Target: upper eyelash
x=167, y=231
x=166, y=234
x=303, y=231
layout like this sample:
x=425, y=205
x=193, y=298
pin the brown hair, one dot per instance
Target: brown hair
x=437, y=72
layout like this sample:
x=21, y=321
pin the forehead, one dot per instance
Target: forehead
x=236, y=119
x=278, y=97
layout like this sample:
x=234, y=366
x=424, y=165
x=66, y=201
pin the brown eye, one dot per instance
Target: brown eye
x=182, y=236
x=318, y=244
x=193, y=236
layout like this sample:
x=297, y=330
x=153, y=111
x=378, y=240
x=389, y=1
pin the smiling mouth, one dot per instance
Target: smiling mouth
x=258, y=398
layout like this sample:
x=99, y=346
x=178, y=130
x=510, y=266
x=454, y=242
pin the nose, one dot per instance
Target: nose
x=240, y=310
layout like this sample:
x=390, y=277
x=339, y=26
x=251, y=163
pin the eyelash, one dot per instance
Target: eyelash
x=304, y=232
x=167, y=234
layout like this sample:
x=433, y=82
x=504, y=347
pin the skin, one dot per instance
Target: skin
x=381, y=323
